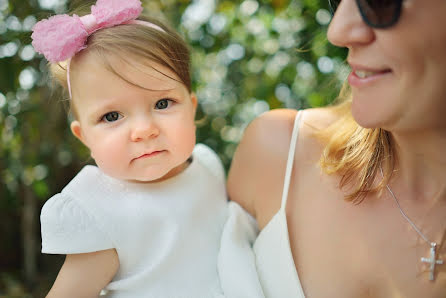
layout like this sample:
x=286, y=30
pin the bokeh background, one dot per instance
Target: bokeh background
x=248, y=57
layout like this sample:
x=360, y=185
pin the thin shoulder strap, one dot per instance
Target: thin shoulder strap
x=290, y=161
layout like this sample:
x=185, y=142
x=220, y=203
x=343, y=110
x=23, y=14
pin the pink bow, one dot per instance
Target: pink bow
x=60, y=37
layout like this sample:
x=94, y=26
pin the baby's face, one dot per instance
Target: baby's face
x=134, y=133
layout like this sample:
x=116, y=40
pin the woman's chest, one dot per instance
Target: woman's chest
x=366, y=250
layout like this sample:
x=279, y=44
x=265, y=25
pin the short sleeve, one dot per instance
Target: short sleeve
x=210, y=160
x=69, y=229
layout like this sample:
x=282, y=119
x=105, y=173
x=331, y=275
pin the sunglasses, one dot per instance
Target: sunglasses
x=375, y=13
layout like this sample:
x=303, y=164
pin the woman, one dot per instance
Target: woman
x=365, y=212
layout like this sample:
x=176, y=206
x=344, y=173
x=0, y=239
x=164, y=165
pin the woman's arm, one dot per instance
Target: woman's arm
x=85, y=275
x=255, y=179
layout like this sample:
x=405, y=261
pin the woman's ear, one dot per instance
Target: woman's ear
x=77, y=131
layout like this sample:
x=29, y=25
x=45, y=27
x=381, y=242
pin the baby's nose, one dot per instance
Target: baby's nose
x=144, y=129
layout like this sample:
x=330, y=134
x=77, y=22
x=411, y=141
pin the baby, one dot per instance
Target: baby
x=147, y=220
x=152, y=218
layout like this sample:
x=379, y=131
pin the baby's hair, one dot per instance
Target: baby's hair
x=133, y=42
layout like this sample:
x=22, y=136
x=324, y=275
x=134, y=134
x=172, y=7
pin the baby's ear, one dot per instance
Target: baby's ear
x=77, y=130
x=194, y=99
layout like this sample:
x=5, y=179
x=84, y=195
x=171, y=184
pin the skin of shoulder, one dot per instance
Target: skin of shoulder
x=256, y=176
x=85, y=275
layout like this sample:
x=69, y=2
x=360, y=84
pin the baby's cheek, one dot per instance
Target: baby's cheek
x=185, y=139
x=110, y=158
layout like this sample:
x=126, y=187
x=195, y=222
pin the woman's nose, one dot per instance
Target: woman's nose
x=347, y=28
x=144, y=129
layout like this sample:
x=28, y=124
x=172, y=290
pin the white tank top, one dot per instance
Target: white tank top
x=275, y=264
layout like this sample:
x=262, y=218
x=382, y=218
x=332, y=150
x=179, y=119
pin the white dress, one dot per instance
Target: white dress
x=270, y=251
x=167, y=234
x=275, y=263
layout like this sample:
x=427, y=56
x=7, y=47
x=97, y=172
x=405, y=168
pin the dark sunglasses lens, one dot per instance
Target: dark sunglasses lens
x=333, y=4
x=379, y=13
x=376, y=13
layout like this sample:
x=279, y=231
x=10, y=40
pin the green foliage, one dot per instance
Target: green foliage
x=248, y=57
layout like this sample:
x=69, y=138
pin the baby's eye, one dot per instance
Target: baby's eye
x=111, y=117
x=163, y=104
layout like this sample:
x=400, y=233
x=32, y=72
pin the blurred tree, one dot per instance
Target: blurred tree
x=248, y=57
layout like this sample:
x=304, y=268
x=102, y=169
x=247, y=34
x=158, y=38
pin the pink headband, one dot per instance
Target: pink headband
x=60, y=37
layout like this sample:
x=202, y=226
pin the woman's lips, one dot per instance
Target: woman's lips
x=362, y=77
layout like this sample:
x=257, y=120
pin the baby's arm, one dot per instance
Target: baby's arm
x=85, y=275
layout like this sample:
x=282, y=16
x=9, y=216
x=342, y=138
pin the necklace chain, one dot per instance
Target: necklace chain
x=405, y=216
x=432, y=260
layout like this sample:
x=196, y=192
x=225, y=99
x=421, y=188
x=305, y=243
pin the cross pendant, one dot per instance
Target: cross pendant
x=432, y=260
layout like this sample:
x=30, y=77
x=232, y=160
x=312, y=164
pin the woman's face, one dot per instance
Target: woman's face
x=398, y=76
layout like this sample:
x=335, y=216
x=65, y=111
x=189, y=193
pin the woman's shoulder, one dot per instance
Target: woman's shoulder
x=270, y=133
x=283, y=120
x=258, y=167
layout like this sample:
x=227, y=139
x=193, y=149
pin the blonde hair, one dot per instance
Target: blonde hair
x=356, y=153
x=133, y=41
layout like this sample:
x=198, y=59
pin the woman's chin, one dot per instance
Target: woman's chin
x=366, y=119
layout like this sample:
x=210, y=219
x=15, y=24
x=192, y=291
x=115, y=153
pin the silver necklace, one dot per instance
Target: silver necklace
x=432, y=260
